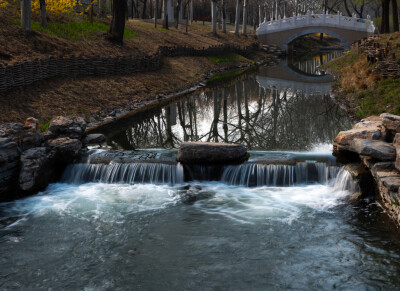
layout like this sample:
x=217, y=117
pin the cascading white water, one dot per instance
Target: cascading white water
x=344, y=182
x=154, y=173
x=278, y=175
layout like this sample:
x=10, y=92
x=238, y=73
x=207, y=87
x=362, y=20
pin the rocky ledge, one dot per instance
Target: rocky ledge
x=373, y=145
x=30, y=159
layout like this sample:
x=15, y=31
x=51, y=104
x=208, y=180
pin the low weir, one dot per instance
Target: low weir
x=270, y=170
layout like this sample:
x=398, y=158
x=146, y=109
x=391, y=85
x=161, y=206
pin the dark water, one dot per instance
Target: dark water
x=275, y=109
x=143, y=224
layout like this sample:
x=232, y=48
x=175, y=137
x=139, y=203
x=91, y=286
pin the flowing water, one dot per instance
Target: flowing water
x=128, y=217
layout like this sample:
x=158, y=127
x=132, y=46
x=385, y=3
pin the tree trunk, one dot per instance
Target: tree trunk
x=214, y=16
x=223, y=16
x=260, y=14
x=43, y=12
x=155, y=14
x=244, y=31
x=26, y=11
x=144, y=9
x=385, y=16
x=237, y=17
x=165, y=23
x=91, y=11
x=395, y=14
x=191, y=11
x=187, y=16
x=117, y=26
x=177, y=13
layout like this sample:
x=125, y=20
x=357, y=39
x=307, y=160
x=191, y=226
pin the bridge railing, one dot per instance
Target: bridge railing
x=317, y=20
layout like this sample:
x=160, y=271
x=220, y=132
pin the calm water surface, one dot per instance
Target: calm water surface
x=142, y=236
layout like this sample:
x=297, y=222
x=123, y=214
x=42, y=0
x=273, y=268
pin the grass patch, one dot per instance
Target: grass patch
x=164, y=30
x=227, y=58
x=44, y=126
x=227, y=76
x=75, y=30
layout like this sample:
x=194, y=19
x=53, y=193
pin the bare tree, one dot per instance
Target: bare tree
x=244, y=31
x=214, y=16
x=395, y=14
x=177, y=12
x=117, y=27
x=165, y=23
x=155, y=13
x=26, y=13
x=223, y=14
x=43, y=18
x=237, y=17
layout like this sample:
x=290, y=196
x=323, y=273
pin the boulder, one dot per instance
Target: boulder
x=65, y=149
x=9, y=167
x=388, y=182
x=11, y=130
x=391, y=122
x=211, y=153
x=94, y=138
x=397, y=162
x=36, y=169
x=26, y=136
x=31, y=135
x=371, y=130
x=373, y=148
x=66, y=126
x=396, y=140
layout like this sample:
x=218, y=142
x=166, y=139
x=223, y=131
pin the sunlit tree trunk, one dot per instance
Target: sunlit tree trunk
x=237, y=17
x=214, y=16
x=26, y=12
x=244, y=31
x=117, y=26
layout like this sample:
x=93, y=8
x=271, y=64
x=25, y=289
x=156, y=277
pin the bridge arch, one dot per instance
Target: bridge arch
x=313, y=31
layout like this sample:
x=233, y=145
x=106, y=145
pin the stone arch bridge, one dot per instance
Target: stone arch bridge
x=281, y=32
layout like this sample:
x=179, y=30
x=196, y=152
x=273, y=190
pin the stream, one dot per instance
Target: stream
x=128, y=217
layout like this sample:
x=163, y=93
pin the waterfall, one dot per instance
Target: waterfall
x=278, y=175
x=155, y=173
x=249, y=175
x=345, y=182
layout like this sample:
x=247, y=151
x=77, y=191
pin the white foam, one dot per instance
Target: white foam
x=114, y=202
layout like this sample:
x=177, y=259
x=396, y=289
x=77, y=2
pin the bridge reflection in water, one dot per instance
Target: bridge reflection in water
x=273, y=110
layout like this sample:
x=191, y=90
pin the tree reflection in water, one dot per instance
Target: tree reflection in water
x=245, y=113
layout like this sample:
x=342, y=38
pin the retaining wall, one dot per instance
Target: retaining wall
x=28, y=72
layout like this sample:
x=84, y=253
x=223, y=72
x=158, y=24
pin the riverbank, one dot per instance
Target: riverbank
x=108, y=96
x=367, y=77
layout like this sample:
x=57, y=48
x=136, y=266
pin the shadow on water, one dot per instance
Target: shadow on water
x=274, y=109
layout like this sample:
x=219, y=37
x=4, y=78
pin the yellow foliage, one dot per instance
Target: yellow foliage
x=4, y=3
x=56, y=7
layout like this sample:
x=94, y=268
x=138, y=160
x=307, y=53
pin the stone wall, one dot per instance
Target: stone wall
x=30, y=159
x=375, y=144
x=28, y=72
